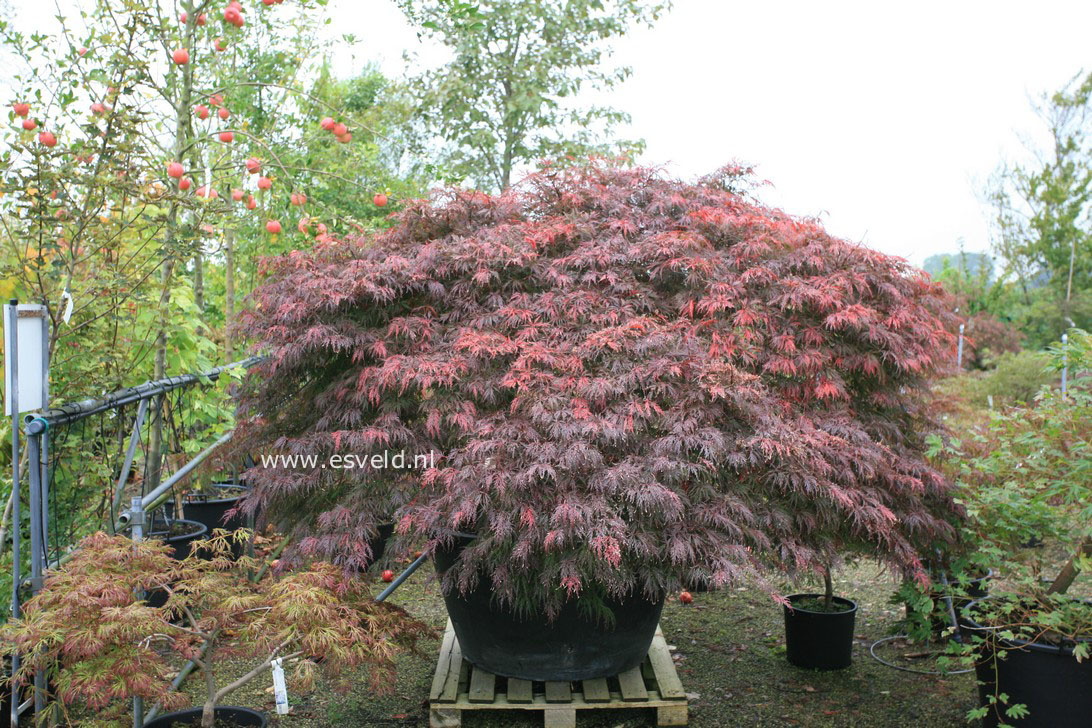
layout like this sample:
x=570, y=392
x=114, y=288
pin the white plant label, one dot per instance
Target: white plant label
x=280, y=690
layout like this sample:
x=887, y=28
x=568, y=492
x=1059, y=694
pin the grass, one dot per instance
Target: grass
x=730, y=649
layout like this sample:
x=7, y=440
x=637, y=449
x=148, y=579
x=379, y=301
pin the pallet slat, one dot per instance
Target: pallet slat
x=596, y=691
x=559, y=692
x=667, y=680
x=519, y=691
x=632, y=684
x=443, y=664
x=482, y=686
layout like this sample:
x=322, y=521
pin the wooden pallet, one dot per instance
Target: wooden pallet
x=459, y=686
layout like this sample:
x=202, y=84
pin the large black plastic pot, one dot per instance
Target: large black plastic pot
x=378, y=543
x=180, y=548
x=1056, y=689
x=572, y=647
x=211, y=508
x=819, y=640
x=229, y=714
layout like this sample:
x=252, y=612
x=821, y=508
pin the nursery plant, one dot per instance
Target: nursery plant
x=99, y=643
x=1026, y=477
x=629, y=384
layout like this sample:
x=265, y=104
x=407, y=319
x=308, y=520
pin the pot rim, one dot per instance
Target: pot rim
x=263, y=717
x=1016, y=642
x=842, y=600
x=191, y=497
x=200, y=531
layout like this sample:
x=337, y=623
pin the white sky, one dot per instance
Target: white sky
x=884, y=120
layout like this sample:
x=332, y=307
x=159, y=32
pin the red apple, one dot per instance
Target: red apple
x=184, y=184
x=216, y=100
x=380, y=200
x=220, y=45
x=327, y=123
x=237, y=194
x=251, y=203
x=181, y=56
x=345, y=138
x=303, y=224
x=21, y=109
x=175, y=169
x=298, y=199
x=227, y=136
x=82, y=51
x=273, y=226
x=223, y=113
x=30, y=124
x=388, y=575
x=264, y=183
x=233, y=16
x=685, y=597
x=340, y=129
x=98, y=108
x=268, y=2
x=47, y=139
x=202, y=18
x=202, y=111
x=253, y=166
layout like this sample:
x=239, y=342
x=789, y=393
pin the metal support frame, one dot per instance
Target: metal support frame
x=1065, y=362
x=16, y=516
x=127, y=467
x=959, y=352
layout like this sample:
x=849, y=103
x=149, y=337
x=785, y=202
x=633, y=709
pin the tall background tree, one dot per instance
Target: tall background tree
x=1043, y=218
x=508, y=96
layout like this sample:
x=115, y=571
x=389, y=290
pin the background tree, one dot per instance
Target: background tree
x=507, y=98
x=1043, y=218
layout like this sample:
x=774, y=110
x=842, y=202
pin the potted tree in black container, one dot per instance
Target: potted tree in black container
x=819, y=629
x=618, y=383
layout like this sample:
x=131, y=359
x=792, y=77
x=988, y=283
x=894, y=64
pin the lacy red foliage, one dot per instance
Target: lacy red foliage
x=630, y=382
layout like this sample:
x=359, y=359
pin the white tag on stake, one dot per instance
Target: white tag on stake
x=280, y=690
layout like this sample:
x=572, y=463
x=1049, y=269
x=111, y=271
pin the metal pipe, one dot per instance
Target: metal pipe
x=126, y=468
x=401, y=578
x=36, y=556
x=156, y=498
x=16, y=518
x=959, y=354
x=1065, y=362
x=79, y=410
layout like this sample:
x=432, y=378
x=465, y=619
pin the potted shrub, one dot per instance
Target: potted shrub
x=819, y=629
x=99, y=643
x=618, y=384
x=1026, y=472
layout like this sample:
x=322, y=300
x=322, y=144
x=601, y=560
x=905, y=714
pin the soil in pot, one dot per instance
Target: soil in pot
x=818, y=637
x=228, y=716
x=1045, y=677
x=572, y=647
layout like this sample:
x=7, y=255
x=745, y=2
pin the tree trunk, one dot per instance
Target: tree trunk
x=1070, y=571
x=828, y=593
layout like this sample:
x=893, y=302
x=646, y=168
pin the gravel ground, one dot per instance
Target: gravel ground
x=730, y=655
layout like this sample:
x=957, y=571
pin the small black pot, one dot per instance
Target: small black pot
x=1056, y=689
x=378, y=543
x=242, y=717
x=940, y=619
x=819, y=640
x=180, y=545
x=211, y=508
x=571, y=647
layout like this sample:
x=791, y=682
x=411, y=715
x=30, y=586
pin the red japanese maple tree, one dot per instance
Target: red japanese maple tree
x=629, y=382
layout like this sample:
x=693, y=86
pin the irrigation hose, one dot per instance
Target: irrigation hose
x=877, y=658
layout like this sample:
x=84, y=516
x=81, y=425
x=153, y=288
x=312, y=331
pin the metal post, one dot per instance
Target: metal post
x=44, y=439
x=136, y=514
x=127, y=467
x=37, y=556
x=16, y=517
x=1065, y=362
x=959, y=354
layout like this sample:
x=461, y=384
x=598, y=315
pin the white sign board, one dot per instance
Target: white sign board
x=31, y=329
